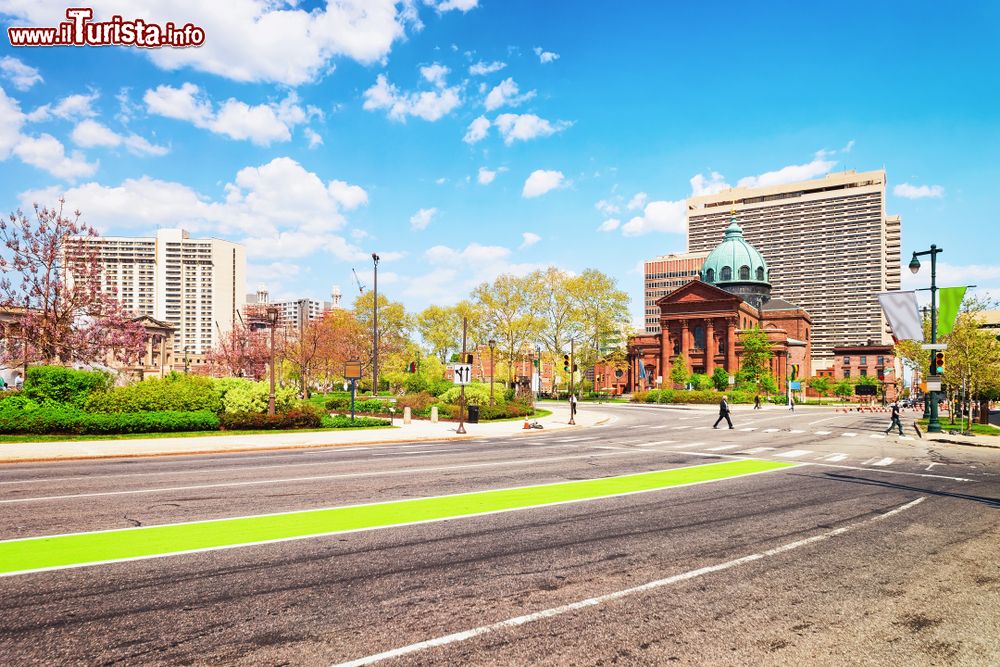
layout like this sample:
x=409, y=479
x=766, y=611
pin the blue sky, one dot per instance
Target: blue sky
x=462, y=139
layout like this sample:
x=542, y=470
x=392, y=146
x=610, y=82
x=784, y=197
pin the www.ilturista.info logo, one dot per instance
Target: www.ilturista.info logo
x=80, y=30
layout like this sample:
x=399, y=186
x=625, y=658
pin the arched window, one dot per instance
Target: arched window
x=726, y=274
x=760, y=273
x=699, y=337
x=744, y=272
x=710, y=275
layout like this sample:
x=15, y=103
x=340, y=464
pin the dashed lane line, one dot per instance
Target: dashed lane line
x=757, y=450
x=834, y=458
x=795, y=453
x=848, y=435
x=796, y=430
x=877, y=436
x=618, y=595
x=771, y=430
x=823, y=432
x=884, y=462
x=751, y=428
x=721, y=448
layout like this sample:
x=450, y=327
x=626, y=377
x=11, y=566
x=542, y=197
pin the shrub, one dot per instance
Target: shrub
x=344, y=421
x=439, y=386
x=370, y=406
x=57, y=384
x=338, y=403
x=299, y=418
x=176, y=392
x=475, y=394
x=65, y=419
x=248, y=396
x=416, y=402
x=506, y=411
x=639, y=396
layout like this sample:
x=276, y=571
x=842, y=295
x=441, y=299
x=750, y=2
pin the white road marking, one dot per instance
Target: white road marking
x=752, y=428
x=661, y=426
x=931, y=465
x=721, y=448
x=835, y=457
x=795, y=453
x=771, y=430
x=577, y=439
x=657, y=442
x=884, y=462
x=877, y=436
x=906, y=437
x=617, y=595
x=848, y=435
x=757, y=450
x=820, y=421
x=417, y=451
x=823, y=432
x=796, y=430
x=701, y=428
x=682, y=427
x=637, y=426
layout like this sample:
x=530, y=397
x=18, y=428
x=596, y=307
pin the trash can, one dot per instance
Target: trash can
x=473, y=414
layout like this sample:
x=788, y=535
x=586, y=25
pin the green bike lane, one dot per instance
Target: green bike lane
x=72, y=550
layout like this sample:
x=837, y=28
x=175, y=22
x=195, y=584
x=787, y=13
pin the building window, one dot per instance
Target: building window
x=881, y=361
x=847, y=373
x=710, y=275
x=760, y=273
x=699, y=337
x=864, y=372
x=847, y=361
x=744, y=272
x=726, y=274
x=864, y=360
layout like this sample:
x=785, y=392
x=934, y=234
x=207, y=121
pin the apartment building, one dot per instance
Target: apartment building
x=662, y=276
x=830, y=246
x=197, y=285
x=290, y=312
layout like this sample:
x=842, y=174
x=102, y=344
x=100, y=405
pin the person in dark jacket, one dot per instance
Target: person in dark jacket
x=895, y=419
x=723, y=413
x=756, y=402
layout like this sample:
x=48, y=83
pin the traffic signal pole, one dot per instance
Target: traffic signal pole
x=572, y=372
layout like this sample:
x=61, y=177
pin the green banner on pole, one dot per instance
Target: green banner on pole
x=950, y=299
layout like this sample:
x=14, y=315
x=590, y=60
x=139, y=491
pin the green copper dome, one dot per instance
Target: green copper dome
x=735, y=261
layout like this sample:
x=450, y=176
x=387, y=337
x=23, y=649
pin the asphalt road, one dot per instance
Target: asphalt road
x=799, y=566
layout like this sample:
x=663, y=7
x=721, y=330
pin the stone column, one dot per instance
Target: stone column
x=709, y=346
x=686, y=343
x=731, y=346
x=163, y=356
x=665, y=350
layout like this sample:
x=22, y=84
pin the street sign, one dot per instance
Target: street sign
x=934, y=346
x=463, y=373
x=732, y=380
x=352, y=370
x=796, y=386
x=933, y=386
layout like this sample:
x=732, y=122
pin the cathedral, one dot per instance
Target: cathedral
x=702, y=321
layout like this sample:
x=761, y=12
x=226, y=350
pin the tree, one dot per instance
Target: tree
x=440, y=327
x=51, y=277
x=394, y=325
x=720, y=379
x=602, y=311
x=755, y=362
x=972, y=361
x=820, y=385
x=507, y=314
x=679, y=371
x=700, y=381
x=843, y=389
x=242, y=352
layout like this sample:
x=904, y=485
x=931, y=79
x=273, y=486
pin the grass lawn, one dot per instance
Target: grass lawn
x=948, y=425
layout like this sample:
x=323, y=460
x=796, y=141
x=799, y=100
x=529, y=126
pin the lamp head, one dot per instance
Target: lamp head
x=914, y=264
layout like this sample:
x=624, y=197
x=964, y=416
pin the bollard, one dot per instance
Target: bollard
x=434, y=415
x=406, y=415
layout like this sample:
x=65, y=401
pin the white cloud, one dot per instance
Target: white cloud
x=455, y=272
x=314, y=138
x=422, y=218
x=11, y=121
x=506, y=93
x=70, y=107
x=638, y=200
x=545, y=56
x=257, y=40
x=348, y=196
x=20, y=75
x=482, y=68
x=541, y=181
x=89, y=133
x=441, y=180
x=435, y=74
x=477, y=130
x=713, y=184
x=795, y=172
x=908, y=191
x=486, y=176
x=447, y=5
x=429, y=105
x=528, y=239
x=523, y=127
x=47, y=153
x=659, y=216
x=610, y=225
x=262, y=124
x=606, y=207
x=847, y=148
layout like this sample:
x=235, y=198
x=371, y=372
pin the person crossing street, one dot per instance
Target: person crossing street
x=895, y=419
x=723, y=413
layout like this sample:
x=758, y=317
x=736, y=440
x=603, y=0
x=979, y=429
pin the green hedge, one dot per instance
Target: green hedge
x=57, y=384
x=344, y=421
x=72, y=421
x=247, y=421
x=175, y=392
x=691, y=397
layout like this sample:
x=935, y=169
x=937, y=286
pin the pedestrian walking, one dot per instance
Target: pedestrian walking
x=723, y=413
x=895, y=419
x=572, y=407
x=756, y=402
x=791, y=404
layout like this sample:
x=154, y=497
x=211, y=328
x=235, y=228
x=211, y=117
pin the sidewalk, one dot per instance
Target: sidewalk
x=214, y=444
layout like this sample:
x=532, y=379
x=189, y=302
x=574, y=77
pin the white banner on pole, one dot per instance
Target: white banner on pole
x=904, y=318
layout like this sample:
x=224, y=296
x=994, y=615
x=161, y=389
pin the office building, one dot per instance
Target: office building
x=291, y=310
x=662, y=276
x=830, y=246
x=196, y=285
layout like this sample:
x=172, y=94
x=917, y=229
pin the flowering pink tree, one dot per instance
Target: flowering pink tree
x=50, y=285
x=242, y=352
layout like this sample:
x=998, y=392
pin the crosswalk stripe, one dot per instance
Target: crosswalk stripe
x=658, y=442
x=661, y=426
x=757, y=450
x=906, y=437
x=795, y=430
x=849, y=435
x=771, y=430
x=795, y=453
x=835, y=457
x=637, y=426
x=752, y=428
x=682, y=426
x=721, y=448
x=877, y=436
x=884, y=462
x=823, y=432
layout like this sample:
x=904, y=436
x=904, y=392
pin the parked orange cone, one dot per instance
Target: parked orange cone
x=526, y=424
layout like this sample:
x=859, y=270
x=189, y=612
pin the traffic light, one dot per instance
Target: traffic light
x=566, y=363
x=575, y=368
x=939, y=362
x=468, y=358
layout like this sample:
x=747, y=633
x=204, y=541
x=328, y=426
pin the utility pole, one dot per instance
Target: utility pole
x=572, y=377
x=933, y=423
x=461, y=407
x=375, y=330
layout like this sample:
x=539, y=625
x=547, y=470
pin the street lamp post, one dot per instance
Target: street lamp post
x=186, y=360
x=272, y=320
x=493, y=344
x=933, y=424
x=375, y=329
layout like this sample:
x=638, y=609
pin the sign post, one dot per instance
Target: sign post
x=352, y=372
x=463, y=373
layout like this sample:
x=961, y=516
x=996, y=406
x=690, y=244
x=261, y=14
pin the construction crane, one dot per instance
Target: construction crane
x=361, y=287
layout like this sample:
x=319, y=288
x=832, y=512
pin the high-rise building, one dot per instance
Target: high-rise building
x=663, y=275
x=290, y=311
x=830, y=245
x=198, y=285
